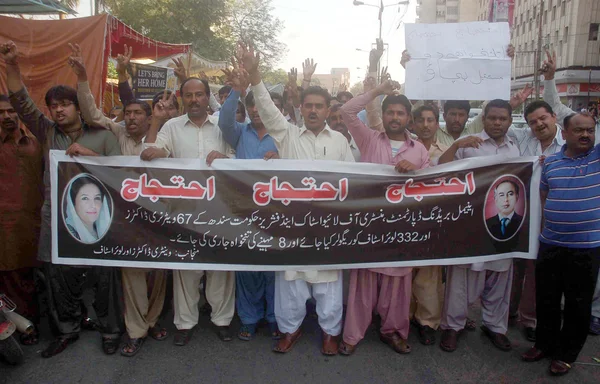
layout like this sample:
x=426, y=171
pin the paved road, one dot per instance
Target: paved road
x=208, y=360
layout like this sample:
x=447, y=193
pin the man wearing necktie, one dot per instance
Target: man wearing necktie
x=504, y=225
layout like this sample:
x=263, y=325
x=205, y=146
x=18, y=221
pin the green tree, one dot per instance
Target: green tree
x=275, y=76
x=357, y=88
x=213, y=26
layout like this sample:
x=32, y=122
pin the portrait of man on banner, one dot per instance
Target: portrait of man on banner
x=505, y=208
x=87, y=209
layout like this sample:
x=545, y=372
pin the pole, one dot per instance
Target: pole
x=538, y=58
x=589, y=86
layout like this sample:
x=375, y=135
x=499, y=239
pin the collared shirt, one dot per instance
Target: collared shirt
x=509, y=216
x=489, y=148
x=182, y=138
x=354, y=149
x=50, y=136
x=242, y=137
x=529, y=145
x=436, y=150
x=94, y=116
x=21, y=197
x=295, y=142
x=572, y=209
x=375, y=147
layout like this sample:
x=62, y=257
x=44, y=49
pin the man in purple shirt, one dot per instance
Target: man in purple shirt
x=489, y=281
x=385, y=290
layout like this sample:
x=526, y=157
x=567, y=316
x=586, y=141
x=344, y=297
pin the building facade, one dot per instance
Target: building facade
x=446, y=11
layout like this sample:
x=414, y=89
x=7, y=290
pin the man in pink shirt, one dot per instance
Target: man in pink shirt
x=489, y=281
x=386, y=290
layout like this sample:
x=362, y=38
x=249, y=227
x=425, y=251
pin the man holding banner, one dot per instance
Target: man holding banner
x=195, y=135
x=489, y=281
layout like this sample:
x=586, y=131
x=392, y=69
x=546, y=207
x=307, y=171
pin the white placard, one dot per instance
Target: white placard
x=458, y=61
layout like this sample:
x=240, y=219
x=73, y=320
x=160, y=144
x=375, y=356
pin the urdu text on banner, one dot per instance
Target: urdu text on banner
x=458, y=61
x=289, y=214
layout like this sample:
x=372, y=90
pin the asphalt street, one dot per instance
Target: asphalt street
x=206, y=359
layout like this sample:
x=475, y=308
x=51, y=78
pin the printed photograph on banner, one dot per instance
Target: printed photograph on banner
x=87, y=209
x=505, y=207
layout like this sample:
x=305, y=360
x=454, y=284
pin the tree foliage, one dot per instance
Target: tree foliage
x=275, y=76
x=213, y=26
x=357, y=88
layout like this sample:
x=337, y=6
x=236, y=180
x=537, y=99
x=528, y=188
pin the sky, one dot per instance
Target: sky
x=330, y=31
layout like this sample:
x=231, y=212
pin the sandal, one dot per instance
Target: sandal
x=274, y=329
x=158, y=333
x=559, y=368
x=471, y=325
x=132, y=347
x=346, y=349
x=396, y=342
x=426, y=334
x=32, y=338
x=183, y=336
x=110, y=345
x=246, y=332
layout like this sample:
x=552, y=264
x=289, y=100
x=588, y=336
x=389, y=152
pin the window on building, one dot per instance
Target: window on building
x=556, y=36
x=566, y=35
x=452, y=10
x=534, y=11
x=545, y=17
x=553, y=13
x=562, y=8
x=560, y=46
x=593, y=32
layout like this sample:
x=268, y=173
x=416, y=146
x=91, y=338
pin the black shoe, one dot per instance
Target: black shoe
x=224, y=333
x=530, y=333
x=59, y=345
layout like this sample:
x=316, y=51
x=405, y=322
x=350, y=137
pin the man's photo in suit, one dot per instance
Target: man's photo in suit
x=506, y=222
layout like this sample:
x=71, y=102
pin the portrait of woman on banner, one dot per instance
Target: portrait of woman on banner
x=88, y=213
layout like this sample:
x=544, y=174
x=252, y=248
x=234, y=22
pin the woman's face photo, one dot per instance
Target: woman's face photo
x=88, y=203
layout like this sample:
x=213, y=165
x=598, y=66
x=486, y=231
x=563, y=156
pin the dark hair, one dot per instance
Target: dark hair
x=498, y=103
x=535, y=106
x=418, y=113
x=335, y=108
x=225, y=90
x=396, y=99
x=60, y=93
x=249, y=100
x=344, y=93
x=5, y=98
x=139, y=102
x=277, y=96
x=318, y=91
x=242, y=108
x=457, y=104
x=82, y=181
x=510, y=182
x=572, y=115
x=158, y=97
x=334, y=98
x=206, y=87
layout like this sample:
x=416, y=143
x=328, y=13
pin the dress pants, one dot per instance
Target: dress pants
x=142, y=312
x=66, y=286
x=571, y=272
x=290, y=303
x=522, y=301
x=220, y=294
x=464, y=286
x=370, y=291
x=255, y=296
x=427, y=295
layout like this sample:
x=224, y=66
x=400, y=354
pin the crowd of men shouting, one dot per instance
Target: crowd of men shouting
x=379, y=126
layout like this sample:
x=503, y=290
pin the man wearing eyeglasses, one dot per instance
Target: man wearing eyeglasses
x=64, y=131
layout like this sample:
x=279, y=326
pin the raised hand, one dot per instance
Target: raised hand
x=293, y=77
x=405, y=58
x=469, y=141
x=213, y=155
x=75, y=61
x=162, y=108
x=549, y=66
x=179, y=70
x=308, y=69
x=123, y=60
x=77, y=149
x=237, y=77
x=369, y=84
x=375, y=55
x=292, y=87
x=387, y=87
x=9, y=52
x=510, y=51
x=519, y=98
x=248, y=58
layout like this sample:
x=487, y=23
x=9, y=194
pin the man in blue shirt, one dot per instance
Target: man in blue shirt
x=255, y=291
x=569, y=252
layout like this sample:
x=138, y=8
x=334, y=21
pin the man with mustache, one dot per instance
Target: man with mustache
x=426, y=125
x=506, y=222
x=315, y=140
x=21, y=197
x=194, y=135
x=255, y=291
x=335, y=121
x=562, y=111
x=65, y=131
x=569, y=253
x=384, y=290
x=488, y=281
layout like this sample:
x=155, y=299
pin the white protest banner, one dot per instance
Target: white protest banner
x=458, y=61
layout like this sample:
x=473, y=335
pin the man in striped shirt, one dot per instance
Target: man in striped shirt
x=569, y=252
